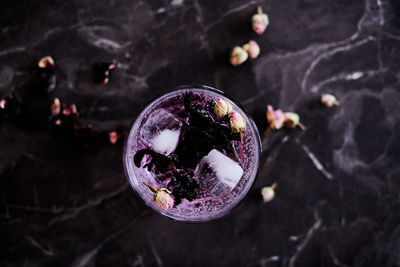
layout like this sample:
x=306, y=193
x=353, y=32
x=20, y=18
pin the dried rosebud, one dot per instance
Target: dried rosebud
x=113, y=136
x=46, y=62
x=222, y=107
x=238, y=56
x=55, y=107
x=275, y=118
x=292, y=120
x=45, y=74
x=102, y=71
x=162, y=197
x=268, y=192
x=252, y=48
x=3, y=103
x=259, y=21
x=329, y=100
x=237, y=122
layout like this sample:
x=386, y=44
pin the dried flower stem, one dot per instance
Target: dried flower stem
x=152, y=188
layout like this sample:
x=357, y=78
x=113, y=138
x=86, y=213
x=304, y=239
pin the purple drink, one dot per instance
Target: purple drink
x=180, y=143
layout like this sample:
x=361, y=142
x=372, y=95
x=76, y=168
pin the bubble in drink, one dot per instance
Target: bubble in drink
x=161, y=130
x=218, y=173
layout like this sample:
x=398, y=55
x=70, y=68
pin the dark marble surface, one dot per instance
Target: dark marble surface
x=337, y=201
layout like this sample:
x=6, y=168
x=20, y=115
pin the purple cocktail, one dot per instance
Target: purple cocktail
x=192, y=154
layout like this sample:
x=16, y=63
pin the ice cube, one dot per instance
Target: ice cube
x=217, y=173
x=161, y=130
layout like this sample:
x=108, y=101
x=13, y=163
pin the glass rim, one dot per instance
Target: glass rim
x=125, y=155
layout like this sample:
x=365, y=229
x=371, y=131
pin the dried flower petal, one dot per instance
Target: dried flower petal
x=55, y=107
x=259, y=21
x=237, y=122
x=102, y=71
x=163, y=199
x=238, y=56
x=275, y=118
x=252, y=48
x=45, y=74
x=268, y=192
x=329, y=100
x=113, y=136
x=46, y=62
x=222, y=107
x=3, y=103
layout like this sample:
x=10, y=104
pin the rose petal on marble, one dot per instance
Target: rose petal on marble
x=329, y=100
x=275, y=118
x=237, y=122
x=259, y=21
x=238, y=56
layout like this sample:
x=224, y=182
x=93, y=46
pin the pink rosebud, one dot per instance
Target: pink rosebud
x=55, y=107
x=3, y=103
x=292, y=120
x=46, y=62
x=222, y=107
x=163, y=199
x=237, y=122
x=113, y=137
x=275, y=118
x=329, y=100
x=238, y=56
x=252, y=49
x=259, y=21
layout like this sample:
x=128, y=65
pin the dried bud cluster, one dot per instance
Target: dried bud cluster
x=236, y=120
x=240, y=54
x=277, y=119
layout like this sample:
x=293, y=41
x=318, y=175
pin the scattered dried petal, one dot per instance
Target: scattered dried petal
x=275, y=118
x=268, y=192
x=102, y=71
x=252, y=48
x=238, y=56
x=163, y=199
x=222, y=107
x=3, y=103
x=113, y=136
x=259, y=21
x=237, y=122
x=45, y=74
x=46, y=62
x=55, y=107
x=329, y=100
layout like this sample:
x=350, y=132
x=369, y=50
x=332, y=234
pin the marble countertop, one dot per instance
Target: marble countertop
x=337, y=200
